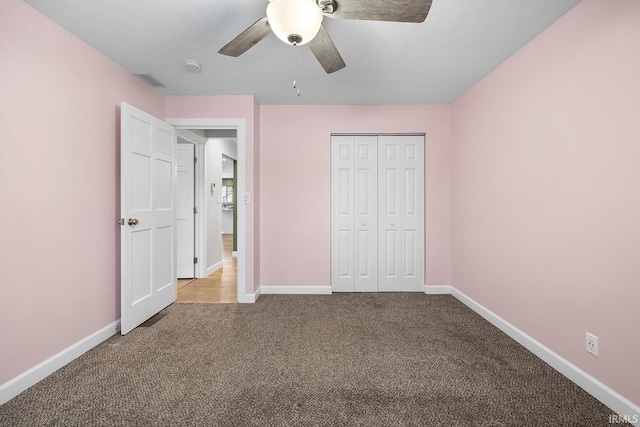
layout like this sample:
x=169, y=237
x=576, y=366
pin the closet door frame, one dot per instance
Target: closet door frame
x=359, y=222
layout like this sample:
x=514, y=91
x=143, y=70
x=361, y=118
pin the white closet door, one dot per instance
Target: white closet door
x=342, y=214
x=366, y=213
x=354, y=216
x=400, y=213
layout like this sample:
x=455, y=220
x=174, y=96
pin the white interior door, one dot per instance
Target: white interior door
x=148, y=234
x=400, y=213
x=185, y=213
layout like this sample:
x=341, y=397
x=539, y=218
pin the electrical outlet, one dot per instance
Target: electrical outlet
x=592, y=344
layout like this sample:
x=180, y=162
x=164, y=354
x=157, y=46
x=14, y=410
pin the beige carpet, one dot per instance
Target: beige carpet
x=339, y=360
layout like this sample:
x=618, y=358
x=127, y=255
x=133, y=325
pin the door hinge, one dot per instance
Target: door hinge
x=195, y=210
x=195, y=160
x=195, y=260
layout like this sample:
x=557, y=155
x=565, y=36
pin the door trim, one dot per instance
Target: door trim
x=240, y=125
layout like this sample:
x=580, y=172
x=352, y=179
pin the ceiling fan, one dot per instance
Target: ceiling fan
x=299, y=22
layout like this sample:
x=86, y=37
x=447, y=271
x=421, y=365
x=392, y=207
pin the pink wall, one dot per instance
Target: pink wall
x=235, y=107
x=59, y=185
x=295, y=185
x=546, y=206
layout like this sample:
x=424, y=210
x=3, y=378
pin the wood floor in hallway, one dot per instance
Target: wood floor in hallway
x=219, y=287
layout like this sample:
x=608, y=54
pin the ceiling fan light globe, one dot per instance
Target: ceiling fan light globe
x=300, y=18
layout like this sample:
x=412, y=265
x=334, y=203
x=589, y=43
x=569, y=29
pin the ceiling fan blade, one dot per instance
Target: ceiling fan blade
x=381, y=10
x=326, y=52
x=249, y=38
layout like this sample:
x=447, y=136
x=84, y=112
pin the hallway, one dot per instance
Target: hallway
x=219, y=287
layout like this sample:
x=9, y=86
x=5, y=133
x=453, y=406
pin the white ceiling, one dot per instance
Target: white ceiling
x=434, y=62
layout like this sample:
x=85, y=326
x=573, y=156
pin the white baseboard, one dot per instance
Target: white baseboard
x=17, y=385
x=616, y=402
x=213, y=268
x=437, y=290
x=296, y=290
x=250, y=298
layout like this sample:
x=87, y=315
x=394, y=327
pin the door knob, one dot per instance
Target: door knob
x=364, y=223
x=133, y=221
x=393, y=223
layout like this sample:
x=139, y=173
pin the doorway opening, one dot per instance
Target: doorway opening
x=210, y=196
x=218, y=284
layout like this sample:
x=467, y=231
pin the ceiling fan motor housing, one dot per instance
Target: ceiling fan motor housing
x=294, y=39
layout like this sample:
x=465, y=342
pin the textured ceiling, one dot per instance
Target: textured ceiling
x=433, y=62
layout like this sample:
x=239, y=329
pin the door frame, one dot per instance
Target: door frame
x=240, y=126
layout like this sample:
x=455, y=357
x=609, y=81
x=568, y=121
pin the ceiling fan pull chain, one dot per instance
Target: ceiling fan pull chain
x=296, y=59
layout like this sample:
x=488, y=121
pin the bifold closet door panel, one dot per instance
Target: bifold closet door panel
x=354, y=213
x=342, y=214
x=400, y=213
x=366, y=213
